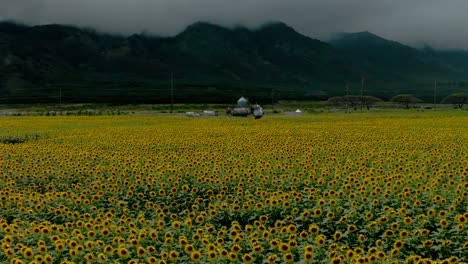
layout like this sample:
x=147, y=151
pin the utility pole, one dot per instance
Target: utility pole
x=172, y=92
x=60, y=95
x=435, y=93
x=272, y=97
x=362, y=91
x=347, y=97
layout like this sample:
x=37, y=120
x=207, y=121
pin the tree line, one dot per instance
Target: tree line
x=458, y=100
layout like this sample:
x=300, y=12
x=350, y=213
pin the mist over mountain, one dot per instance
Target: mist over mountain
x=437, y=23
x=211, y=63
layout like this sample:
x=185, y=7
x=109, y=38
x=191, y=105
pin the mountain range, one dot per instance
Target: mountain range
x=210, y=63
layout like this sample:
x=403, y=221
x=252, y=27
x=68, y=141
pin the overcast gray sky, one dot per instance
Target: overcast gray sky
x=439, y=23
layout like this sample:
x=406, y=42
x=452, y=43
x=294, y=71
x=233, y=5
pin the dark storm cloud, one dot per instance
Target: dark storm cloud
x=435, y=22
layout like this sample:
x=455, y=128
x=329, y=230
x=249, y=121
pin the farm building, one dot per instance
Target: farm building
x=244, y=108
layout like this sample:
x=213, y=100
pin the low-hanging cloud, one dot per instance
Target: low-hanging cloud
x=433, y=22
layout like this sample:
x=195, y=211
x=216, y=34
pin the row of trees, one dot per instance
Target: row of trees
x=405, y=100
x=457, y=99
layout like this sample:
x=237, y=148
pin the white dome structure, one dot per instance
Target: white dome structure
x=242, y=102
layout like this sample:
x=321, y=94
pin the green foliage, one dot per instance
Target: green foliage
x=406, y=100
x=354, y=101
x=457, y=99
x=17, y=139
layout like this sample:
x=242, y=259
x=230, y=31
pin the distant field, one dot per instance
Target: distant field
x=375, y=187
x=281, y=107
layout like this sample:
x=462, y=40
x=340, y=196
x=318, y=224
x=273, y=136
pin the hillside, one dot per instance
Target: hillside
x=210, y=63
x=398, y=68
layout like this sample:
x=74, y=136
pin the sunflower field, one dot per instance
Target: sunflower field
x=331, y=188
